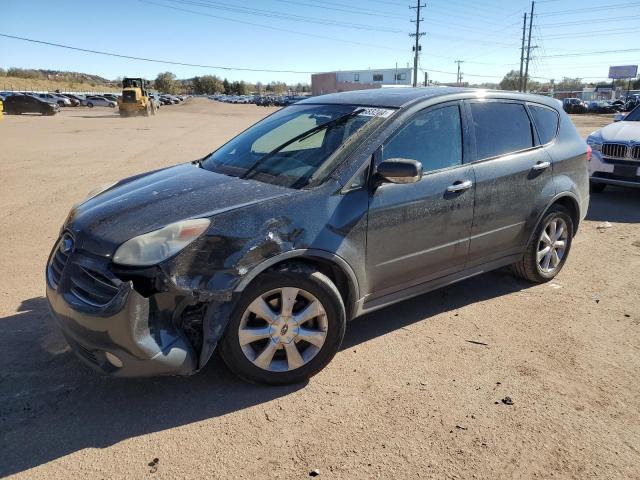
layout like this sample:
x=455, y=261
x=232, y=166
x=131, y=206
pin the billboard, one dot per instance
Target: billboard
x=623, y=71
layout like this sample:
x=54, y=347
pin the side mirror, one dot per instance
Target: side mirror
x=399, y=170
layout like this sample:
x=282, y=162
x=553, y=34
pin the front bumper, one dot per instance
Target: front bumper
x=129, y=336
x=623, y=173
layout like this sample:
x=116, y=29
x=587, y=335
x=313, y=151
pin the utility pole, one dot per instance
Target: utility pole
x=526, y=68
x=416, y=47
x=524, y=30
x=459, y=77
x=426, y=80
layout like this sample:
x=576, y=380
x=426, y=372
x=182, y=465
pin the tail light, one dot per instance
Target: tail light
x=589, y=153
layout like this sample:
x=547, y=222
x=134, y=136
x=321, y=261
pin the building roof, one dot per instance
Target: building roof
x=401, y=96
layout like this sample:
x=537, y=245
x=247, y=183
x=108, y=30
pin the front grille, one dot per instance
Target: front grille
x=92, y=287
x=59, y=258
x=614, y=150
x=635, y=152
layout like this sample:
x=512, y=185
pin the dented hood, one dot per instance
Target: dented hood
x=150, y=201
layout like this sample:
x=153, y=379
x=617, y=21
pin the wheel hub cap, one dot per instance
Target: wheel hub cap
x=283, y=329
x=552, y=245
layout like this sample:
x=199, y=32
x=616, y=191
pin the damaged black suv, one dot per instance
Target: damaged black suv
x=325, y=210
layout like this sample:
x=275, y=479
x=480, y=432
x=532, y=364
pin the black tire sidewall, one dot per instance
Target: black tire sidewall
x=306, y=279
x=555, y=211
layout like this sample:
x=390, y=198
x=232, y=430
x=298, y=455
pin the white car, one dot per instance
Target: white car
x=57, y=99
x=616, y=154
x=95, y=101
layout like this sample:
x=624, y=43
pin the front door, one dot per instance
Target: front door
x=418, y=232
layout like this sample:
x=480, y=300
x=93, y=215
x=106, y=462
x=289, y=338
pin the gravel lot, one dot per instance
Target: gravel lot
x=409, y=396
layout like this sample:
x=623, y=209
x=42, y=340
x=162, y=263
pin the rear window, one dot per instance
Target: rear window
x=546, y=121
x=501, y=128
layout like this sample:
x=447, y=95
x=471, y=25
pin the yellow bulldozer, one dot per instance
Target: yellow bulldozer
x=135, y=99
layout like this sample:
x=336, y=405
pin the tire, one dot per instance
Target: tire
x=325, y=329
x=61, y=104
x=89, y=104
x=597, y=187
x=529, y=268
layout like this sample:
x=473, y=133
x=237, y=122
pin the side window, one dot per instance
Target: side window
x=501, y=128
x=546, y=121
x=433, y=138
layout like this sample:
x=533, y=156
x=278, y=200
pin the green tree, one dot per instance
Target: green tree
x=510, y=81
x=166, y=83
x=226, y=87
x=569, y=84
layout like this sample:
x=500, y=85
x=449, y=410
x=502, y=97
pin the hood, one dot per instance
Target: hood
x=150, y=201
x=621, y=132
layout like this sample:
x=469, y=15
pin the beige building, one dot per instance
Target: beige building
x=345, y=81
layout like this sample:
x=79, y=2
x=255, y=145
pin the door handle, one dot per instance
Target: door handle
x=541, y=165
x=460, y=186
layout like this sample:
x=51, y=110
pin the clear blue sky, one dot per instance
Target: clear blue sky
x=286, y=35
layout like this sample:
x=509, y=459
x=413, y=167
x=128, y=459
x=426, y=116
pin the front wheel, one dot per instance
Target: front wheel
x=286, y=327
x=90, y=105
x=548, y=250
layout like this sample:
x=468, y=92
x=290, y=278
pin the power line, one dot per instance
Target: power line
x=601, y=52
x=244, y=22
x=325, y=6
x=595, y=20
x=279, y=15
x=590, y=9
x=168, y=62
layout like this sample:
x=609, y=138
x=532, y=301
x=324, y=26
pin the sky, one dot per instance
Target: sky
x=319, y=35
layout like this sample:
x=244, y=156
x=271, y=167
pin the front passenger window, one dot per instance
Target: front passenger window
x=433, y=138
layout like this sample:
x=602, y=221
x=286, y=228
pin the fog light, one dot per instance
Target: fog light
x=115, y=361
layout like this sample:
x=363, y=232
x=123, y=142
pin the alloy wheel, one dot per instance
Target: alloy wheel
x=283, y=329
x=552, y=245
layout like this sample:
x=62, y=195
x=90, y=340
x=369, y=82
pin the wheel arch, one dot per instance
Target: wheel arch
x=332, y=265
x=569, y=201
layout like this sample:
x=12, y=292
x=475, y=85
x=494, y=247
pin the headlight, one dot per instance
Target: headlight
x=594, y=143
x=155, y=247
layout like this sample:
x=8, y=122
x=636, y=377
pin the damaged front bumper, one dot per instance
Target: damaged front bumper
x=109, y=325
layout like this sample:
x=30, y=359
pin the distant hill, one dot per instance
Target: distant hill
x=50, y=80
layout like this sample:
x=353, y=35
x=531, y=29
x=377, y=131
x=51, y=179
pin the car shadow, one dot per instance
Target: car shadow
x=615, y=204
x=51, y=405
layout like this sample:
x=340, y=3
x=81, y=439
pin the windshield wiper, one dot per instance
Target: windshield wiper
x=302, y=136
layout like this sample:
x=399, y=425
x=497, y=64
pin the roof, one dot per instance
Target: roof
x=385, y=97
x=403, y=96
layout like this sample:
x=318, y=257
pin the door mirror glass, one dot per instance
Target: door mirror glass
x=399, y=170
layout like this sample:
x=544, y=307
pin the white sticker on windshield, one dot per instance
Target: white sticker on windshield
x=376, y=112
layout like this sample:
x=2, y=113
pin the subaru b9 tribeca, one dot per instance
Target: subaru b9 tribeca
x=328, y=209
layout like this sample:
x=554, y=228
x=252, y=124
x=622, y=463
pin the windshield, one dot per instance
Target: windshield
x=633, y=116
x=295, y=145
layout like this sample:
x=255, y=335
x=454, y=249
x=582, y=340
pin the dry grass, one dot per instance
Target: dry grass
x=28, y=84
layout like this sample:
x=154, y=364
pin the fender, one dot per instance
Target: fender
x=341, y=263
x=557, y=197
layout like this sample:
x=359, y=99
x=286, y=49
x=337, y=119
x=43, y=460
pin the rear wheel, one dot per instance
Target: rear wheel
x=287, y=326
x=89, y=104
x=548, y=250
x=597, y=187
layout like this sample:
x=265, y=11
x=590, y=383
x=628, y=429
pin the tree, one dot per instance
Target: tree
x=511, y=81
x=226, y=86
x=166, y=83
x=207, y=84
x=569, y=84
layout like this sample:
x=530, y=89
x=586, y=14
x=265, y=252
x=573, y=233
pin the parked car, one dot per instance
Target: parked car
x=616, y=153
x=110, y=96
x=574, y=105
x=326, y=210
x=98, y=101
x=601, y=107
x=51, y=97
x=74, y=101
x=165, y=100
x=17, y=104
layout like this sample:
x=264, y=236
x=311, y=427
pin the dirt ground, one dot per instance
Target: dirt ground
x=410, y=395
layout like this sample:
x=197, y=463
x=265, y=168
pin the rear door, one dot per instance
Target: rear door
x=418, y=232
x=513, y=174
